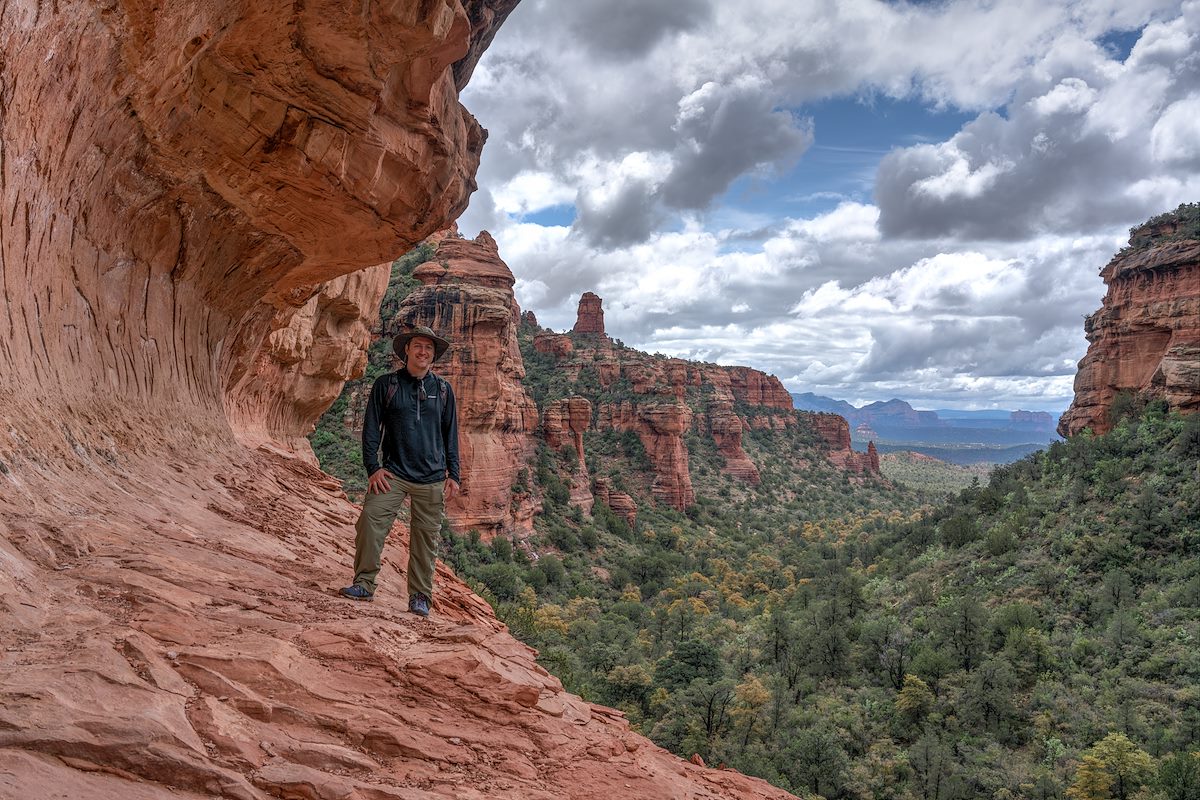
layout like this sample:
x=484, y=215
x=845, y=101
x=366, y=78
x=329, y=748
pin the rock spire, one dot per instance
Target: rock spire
x=590, y=318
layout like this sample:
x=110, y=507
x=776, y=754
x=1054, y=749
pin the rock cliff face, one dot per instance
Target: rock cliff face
x=620, y=502
x=590, y=318
x=835, y=431
x=467, y=297
x=726, y=427
x=181, y=183
x=307, y=356
x=660, y=426
x=1145, y=339
x=186, y=179
x=564, y=422
x=671, y=397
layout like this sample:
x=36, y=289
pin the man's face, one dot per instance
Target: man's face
x=419, y=352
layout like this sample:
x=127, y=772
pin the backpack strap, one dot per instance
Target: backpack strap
x=443, y=387
x=393, y=384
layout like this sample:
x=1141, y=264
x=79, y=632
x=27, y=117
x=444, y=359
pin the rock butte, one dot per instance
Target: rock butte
x=187, y=189
x=660, y=417
x=1145, y=338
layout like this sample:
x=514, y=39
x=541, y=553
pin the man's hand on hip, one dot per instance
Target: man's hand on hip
x=452, y=489
x=378, y=482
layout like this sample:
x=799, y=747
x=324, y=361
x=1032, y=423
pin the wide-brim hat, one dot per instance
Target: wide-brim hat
x=440, y=345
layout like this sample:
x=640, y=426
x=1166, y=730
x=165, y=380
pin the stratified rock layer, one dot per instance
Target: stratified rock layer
x=669, y=397
x=660, y=426
x=306, y=358
x=1145, y=339
x=836, y=432
x=467, y=297
x=194, y=647
x=590, y=318
x=621, y=503
x=564, y=422
x=182, y=183
x=186, y=177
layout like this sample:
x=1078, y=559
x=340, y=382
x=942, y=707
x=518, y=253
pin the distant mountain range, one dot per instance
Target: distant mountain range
x=963, y=437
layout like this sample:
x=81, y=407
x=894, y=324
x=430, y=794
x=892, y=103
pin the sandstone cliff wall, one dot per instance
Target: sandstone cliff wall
x=668, y=397
x=467, y=297
x=182, y=185
x=179, y=181
x=1145, y=339
x=835, y=432
x=565, y=422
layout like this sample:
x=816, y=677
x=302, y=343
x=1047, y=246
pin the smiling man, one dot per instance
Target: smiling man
x=412, y=414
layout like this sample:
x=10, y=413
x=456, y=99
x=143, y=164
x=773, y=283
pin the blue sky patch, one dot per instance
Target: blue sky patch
x=852, y=135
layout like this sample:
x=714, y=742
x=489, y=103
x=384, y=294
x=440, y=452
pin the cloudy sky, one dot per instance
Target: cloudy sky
x=867, y=199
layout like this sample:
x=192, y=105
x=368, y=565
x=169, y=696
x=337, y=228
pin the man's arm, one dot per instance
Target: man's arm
x=450, y=436
x=372, y=432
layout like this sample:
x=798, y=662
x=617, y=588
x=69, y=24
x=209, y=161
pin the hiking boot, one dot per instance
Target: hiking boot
x=357, y=592
x=419, y=604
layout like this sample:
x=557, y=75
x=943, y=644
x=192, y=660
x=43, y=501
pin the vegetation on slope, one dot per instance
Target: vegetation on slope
x=1024, y=640
x=919, y=471
x=1033, y=636
x=1186, y=218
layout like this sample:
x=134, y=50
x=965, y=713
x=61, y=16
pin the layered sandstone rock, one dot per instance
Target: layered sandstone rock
x=553, y=344
x=756, y=388
x=180, y=183
x=305, y=360
x=590, y=318
x=660, y=426
x=871, y=463
x=622, y=504
x=194, y=647
x=467, y=297
x=187, y=178
x=725, y=427
x=663, y=392
x=563, y=423
x=1145, y=339
x=835, y=431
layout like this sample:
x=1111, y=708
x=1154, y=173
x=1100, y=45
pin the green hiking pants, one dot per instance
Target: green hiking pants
x=375, y=522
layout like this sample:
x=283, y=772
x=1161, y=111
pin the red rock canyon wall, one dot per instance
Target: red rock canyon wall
x=1145, y=338
x=660, y=416
x=467, y=296
x=186, y=191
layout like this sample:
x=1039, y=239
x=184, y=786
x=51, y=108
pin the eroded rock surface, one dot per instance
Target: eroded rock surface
x=662, y=406
x=835, y=432
x=622, y=504
x=1145, y=339
x=183, y=185
x=590, y=317
x=467, y=296
x=194, y=647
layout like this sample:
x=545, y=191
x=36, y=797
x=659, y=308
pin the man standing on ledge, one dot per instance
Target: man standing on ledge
x=414, y=410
